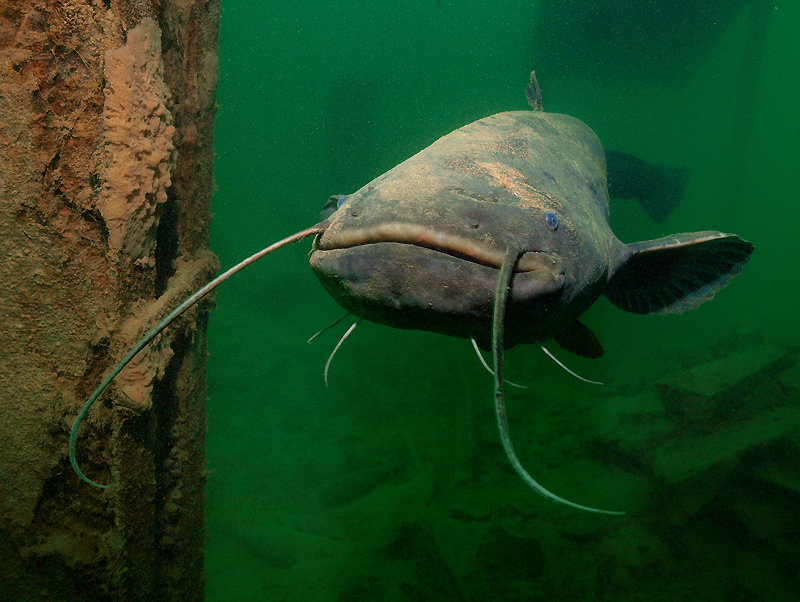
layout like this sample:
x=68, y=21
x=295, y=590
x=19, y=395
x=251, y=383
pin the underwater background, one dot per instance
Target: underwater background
x=391, y=483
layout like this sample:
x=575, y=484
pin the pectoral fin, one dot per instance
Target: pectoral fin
x=675, y=273
x=578, y=339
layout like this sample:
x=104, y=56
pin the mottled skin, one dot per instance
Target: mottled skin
x=420, y=246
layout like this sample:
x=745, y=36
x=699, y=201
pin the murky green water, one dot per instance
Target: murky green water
x=391, y=484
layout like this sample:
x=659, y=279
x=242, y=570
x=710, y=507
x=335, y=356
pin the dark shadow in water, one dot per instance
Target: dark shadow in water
x=629, y=38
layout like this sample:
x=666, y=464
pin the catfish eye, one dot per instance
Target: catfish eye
x=332, y=204
x=551, y=219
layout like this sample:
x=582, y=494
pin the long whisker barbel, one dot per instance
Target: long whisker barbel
x=175, y=314
x=335, y=349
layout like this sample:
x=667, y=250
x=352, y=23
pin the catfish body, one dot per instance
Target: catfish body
x=420, y=246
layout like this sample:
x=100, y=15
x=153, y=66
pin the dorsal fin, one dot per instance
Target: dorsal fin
x=534, y=93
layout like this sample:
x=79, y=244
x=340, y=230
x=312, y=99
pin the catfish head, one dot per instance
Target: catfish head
x=421, y=246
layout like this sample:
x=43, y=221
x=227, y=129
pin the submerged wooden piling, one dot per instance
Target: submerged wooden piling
x=106, y=132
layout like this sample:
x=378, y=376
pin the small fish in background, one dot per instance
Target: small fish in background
x=499, y=233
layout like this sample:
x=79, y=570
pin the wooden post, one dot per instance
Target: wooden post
x=106, y=146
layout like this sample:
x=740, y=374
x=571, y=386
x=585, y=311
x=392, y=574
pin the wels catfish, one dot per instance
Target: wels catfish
x=498, y=232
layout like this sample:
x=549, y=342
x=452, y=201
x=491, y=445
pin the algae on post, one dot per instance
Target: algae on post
x=138, y=141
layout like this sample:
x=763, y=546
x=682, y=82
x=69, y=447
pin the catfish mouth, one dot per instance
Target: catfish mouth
x=458, y=247
x=414, y=277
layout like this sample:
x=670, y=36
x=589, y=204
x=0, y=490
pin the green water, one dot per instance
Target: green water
x=391, y=483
